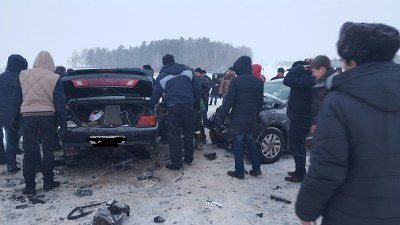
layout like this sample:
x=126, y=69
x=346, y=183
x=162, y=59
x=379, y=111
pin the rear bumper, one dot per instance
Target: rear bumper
x=78, y=137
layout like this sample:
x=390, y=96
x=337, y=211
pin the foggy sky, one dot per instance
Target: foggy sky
x=275, y=29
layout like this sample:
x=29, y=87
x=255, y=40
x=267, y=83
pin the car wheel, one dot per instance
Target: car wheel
x=215, y=138
x=271, y=145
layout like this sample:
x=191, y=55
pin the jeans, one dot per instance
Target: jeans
x=47, y=127
x=298, y=130
x=213, y=97
x=180, y=119
x=12, y=139
x=238, y=152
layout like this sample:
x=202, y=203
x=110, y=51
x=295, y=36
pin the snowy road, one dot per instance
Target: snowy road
x=179, y=201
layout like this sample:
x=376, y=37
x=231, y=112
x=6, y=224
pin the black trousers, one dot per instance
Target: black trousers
x=32, y=126
x=298, y=130
x=180, y=121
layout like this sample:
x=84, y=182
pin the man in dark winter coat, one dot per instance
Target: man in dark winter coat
x=9, y=82
x=301, y=84
x=354, y=174
x=244, y=102
x=322, y=71
x=280, y=75
x=60, y=70
x=205, y=94
x=215, y=83
x=182, y=97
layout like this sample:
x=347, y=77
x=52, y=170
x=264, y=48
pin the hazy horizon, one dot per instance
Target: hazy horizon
x=283, y=30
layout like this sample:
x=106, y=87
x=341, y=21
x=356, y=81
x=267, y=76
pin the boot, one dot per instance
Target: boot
x=255, y=173
x=294, y=179
x=236, y=175
x=29, y=191
x=47, y=186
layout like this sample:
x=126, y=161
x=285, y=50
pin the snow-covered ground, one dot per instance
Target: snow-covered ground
x=179, y=201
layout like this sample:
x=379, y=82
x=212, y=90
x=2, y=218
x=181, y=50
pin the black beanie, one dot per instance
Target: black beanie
x=242, y=66
x=198, y=69
x=167, y=59
x=368, y=42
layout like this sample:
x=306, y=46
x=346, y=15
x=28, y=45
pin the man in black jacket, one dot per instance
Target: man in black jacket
x=244, y=102
x=9, y=83
x=301, y=83
x=322, y=71
x=182, y=96
x=354, y=174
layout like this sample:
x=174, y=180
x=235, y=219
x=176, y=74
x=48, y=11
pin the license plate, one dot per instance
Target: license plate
x=96, y=139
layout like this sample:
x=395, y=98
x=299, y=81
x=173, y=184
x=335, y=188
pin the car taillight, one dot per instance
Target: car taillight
x=147, y=121
x=105, y=82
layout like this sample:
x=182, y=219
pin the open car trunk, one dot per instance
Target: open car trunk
x=105, y=112
x=109, y=98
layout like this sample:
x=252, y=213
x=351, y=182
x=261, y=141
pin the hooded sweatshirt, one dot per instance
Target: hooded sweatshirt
x=42, y=90
x=9, y=83
x=257, y=72
x=354, y=173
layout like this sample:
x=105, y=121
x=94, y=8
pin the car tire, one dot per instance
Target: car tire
x=215, y=138
x=271, y=145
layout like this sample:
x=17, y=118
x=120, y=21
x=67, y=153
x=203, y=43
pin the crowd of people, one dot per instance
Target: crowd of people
x=354, y=116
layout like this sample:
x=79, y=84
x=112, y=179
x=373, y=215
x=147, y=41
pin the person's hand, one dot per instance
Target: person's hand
x=312, y=129
x=307, y=223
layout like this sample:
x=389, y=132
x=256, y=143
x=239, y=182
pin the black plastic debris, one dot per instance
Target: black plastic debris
x=279, y=199
x=180, y=177
x=21, y=206
x=149, y=175
x=111, y=214
x=276, y=188
x=37, y=199
x=260, y=215
x=79, y=212
x=82, y=192
x=211, y=156
x=159, y=219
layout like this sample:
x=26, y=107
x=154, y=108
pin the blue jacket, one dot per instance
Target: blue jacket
x=179, y=85
x=9, y=83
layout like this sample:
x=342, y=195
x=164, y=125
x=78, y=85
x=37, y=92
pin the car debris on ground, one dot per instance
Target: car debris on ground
x=82, y=192
x=212, y=203
x=159, y=219
x=111, y=214
x=180, y=178
x=280, y=199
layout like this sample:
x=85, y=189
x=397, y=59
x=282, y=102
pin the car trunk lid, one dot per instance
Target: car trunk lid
x=108, y=82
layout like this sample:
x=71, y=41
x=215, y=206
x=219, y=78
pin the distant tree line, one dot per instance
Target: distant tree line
x=209, y=55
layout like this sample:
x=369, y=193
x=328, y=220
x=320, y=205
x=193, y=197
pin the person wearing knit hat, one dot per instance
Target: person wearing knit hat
x=354, y=173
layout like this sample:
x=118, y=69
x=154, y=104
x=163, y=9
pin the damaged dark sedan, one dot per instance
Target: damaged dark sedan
x=109, y=108
x=272, y=127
